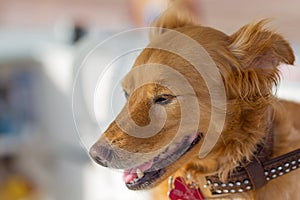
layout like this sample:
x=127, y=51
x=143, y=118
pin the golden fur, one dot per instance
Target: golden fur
x=248, y=61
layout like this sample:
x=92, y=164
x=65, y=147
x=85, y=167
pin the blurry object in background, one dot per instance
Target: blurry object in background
x=22, y=92
x=14, y=185
x=63, y=30
x=289, y=86
x=17, y=119
x=17, y=114
x=145, y=11
x=27, y=14
x=195, y=8
x=78, y=33
x=69, y=31
x=17, y=104
x=16, y=99
x=7, y=125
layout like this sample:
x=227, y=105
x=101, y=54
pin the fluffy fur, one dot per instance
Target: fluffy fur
x=248, y=61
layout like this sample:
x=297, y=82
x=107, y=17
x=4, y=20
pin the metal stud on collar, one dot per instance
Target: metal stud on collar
x=230, y=187
x=281, y=170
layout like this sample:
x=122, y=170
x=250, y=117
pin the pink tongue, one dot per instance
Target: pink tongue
x=130, y=174
x=127, y=176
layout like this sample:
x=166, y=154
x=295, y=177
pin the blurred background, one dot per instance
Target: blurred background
x=42, y=46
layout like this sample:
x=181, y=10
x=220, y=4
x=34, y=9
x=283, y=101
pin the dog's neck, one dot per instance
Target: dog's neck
x=221, y=162
x=251, y=174
x=242, y=144
x=251, y=170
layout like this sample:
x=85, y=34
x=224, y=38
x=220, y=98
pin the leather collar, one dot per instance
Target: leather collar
x=256, y=173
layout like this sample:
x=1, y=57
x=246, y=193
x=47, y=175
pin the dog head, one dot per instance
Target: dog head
x=161, y=130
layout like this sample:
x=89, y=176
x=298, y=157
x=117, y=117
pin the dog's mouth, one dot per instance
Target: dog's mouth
x=146, y=174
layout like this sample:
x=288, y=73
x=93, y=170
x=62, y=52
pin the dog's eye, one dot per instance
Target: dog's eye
x=163, y=99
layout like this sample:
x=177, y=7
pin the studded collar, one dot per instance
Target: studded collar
x=254, y=174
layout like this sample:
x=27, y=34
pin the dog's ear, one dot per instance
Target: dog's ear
x=257, y=47
x=177, y=15
x=259, y=52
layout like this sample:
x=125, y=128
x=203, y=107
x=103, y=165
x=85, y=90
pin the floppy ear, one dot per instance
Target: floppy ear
x=257, y=47
x=177, y=15
x=259, y=52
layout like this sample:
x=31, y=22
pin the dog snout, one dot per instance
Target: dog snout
x=101, y=154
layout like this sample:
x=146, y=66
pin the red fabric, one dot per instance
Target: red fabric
x=183, y=191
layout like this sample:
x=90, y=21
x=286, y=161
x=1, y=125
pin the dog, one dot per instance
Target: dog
x=257, y=129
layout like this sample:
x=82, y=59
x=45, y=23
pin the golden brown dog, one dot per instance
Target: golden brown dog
x=247, y=62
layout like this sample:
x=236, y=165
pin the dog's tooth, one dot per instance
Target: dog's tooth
x=139, y=173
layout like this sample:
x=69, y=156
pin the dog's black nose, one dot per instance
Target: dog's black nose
x=101, y=154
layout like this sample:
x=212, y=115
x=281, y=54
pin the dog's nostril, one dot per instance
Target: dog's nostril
x=100, y=162
x=101, y=154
